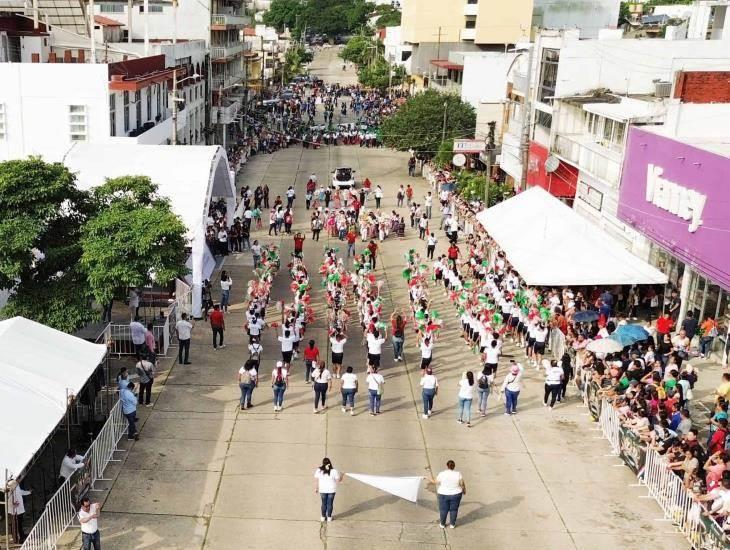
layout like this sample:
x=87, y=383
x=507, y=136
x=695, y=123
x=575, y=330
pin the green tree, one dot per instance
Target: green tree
x=377, y=74
x=470, y=185
x=133, y=240
x=332, y=17
x=388, y=16
x=419, y=123
x=445, y=153
x=360, y=49
x=41, y=216
x=283, y=13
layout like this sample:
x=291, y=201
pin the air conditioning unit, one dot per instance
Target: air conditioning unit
x=662, y=88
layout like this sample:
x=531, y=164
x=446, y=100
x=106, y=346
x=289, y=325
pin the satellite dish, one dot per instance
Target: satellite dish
x=459, y=160
x=551, y=163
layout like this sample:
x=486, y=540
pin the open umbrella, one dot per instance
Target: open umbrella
x=604, y=345
x=629, y=334
x=585, y=316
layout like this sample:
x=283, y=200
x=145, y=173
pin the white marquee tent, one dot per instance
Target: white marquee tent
x=549, y=244
x=188, y=175
x=39, y=368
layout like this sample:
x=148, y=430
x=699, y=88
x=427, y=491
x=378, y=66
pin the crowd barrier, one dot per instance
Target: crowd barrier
x=676, y=501
x=60, y=510
x=121, y=337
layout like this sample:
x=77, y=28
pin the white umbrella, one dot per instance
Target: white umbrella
x=604, y=345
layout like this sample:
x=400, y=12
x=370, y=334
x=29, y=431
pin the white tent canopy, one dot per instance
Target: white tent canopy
x=188, y=175
x=549, y=244
x=39, y=368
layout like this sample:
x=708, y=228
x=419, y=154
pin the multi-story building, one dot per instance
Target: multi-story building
x=47, y=108
x=431, y=29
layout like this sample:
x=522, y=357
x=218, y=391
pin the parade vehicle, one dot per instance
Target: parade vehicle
x=343, y=178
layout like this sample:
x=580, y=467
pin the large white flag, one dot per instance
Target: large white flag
x=403, y=487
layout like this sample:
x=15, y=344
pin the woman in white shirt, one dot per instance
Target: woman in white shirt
x=226, y=284
x=375, y=382
x=553, y=384
x=430, y=386
x=337, y=343
x=321, y=384
x=279, y=382
x=375, y=344
x=348, y=387
x=247, y=377
x=426, y=353
x=326, y=485
x=450, y=487
x=466, y=395
x=511, y=387
x=541, y=334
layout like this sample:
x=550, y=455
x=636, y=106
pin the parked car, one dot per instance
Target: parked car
x=343, y=178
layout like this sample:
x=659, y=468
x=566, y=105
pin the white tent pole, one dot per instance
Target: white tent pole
x=68, y=421
x=6, y=493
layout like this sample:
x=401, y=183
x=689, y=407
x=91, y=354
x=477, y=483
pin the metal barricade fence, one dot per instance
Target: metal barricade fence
x=610, y=425
x=679, y=506
x=60, y=510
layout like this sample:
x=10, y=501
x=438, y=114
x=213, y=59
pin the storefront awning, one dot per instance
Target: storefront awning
x=549, y=244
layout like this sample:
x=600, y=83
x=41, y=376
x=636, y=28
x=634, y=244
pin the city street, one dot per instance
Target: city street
x=207, y=475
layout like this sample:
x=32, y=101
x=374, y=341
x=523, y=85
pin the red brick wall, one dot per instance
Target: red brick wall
x=703, y=86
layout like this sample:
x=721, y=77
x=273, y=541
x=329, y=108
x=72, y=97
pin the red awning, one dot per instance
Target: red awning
x=107, y=22
x=561, y=182
x=446, y=64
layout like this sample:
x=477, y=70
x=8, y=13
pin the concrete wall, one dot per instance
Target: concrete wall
x=193, y=21
x=37, y=96
x=631, y=66
x=496, y=22
x=697, y=120
x=488, y=112
x=590, y=16
x=485, y=77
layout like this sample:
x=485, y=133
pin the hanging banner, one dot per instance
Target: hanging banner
x=402, y=487
x=633, y=451
x=594, y=401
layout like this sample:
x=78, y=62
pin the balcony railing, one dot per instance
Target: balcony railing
x=226, y=81
x=444, y=84
x=222, y=52
x=225, y=115
x=591, y=157
x=230, y=20
x=471, y=9
x=519, y=83
x=468, y=34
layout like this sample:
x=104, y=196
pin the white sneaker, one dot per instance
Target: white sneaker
x=329, y=520
x=424, y=416
x=452, y=526
x=322, y=518
x=222, y=346
x=442, y=526
x=344, y=409
x=352, y=412
x=276, y=408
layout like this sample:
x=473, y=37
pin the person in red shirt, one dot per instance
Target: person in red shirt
x=717, y=442
x=298, y=244
x=453, y=252
x=663, y=326
x=351, y=238
x=373, y=248
x=218, y=324
x=356, y=207
x=409, y=194
x=311, y=358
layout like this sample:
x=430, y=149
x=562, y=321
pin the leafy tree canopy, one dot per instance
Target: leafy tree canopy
x=389, y=16
x=134, y=239
x=470, y=185
x=283, y=13
x=359, y=49
x=418, y=123
x=377, y=75
x=41, y=212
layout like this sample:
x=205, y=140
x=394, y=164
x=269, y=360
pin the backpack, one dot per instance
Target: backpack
x=246, y=378
x=483, y=382
x=255, y=355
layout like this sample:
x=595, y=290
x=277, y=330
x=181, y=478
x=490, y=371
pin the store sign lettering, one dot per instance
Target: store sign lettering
x=686, y=203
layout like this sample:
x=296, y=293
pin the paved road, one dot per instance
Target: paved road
x=206, y=475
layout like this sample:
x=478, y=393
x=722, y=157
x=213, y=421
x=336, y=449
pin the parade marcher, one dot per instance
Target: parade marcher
x=348, y=388
x=326, y=485
x=450, y=488
x=430, y=386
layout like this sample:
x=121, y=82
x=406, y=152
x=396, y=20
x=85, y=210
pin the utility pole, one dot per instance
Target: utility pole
x=174, y=106
x=129, y=21
x=263, y=66
x=443, y=128
x=491, y=146
x=526, y=119
x=92, y=39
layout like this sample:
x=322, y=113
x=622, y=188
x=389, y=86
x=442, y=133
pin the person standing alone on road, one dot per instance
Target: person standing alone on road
x=218, y=325
x=89, y=519
x=450, y=487
x=184, y=332
x=431, y=245
x=226, y=284
x=279, y=383
x=327, y=479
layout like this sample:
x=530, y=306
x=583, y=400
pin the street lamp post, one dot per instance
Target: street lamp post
x=443, y=127
x=175, y=100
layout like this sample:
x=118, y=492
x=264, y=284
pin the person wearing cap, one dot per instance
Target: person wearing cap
x=279, y=382
x=511, y=387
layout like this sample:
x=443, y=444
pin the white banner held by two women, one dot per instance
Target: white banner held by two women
x=402, y=487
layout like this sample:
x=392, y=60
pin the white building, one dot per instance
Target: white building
x=126, y=102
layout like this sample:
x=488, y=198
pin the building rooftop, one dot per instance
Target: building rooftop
x=107, y=22
x=718, y=145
